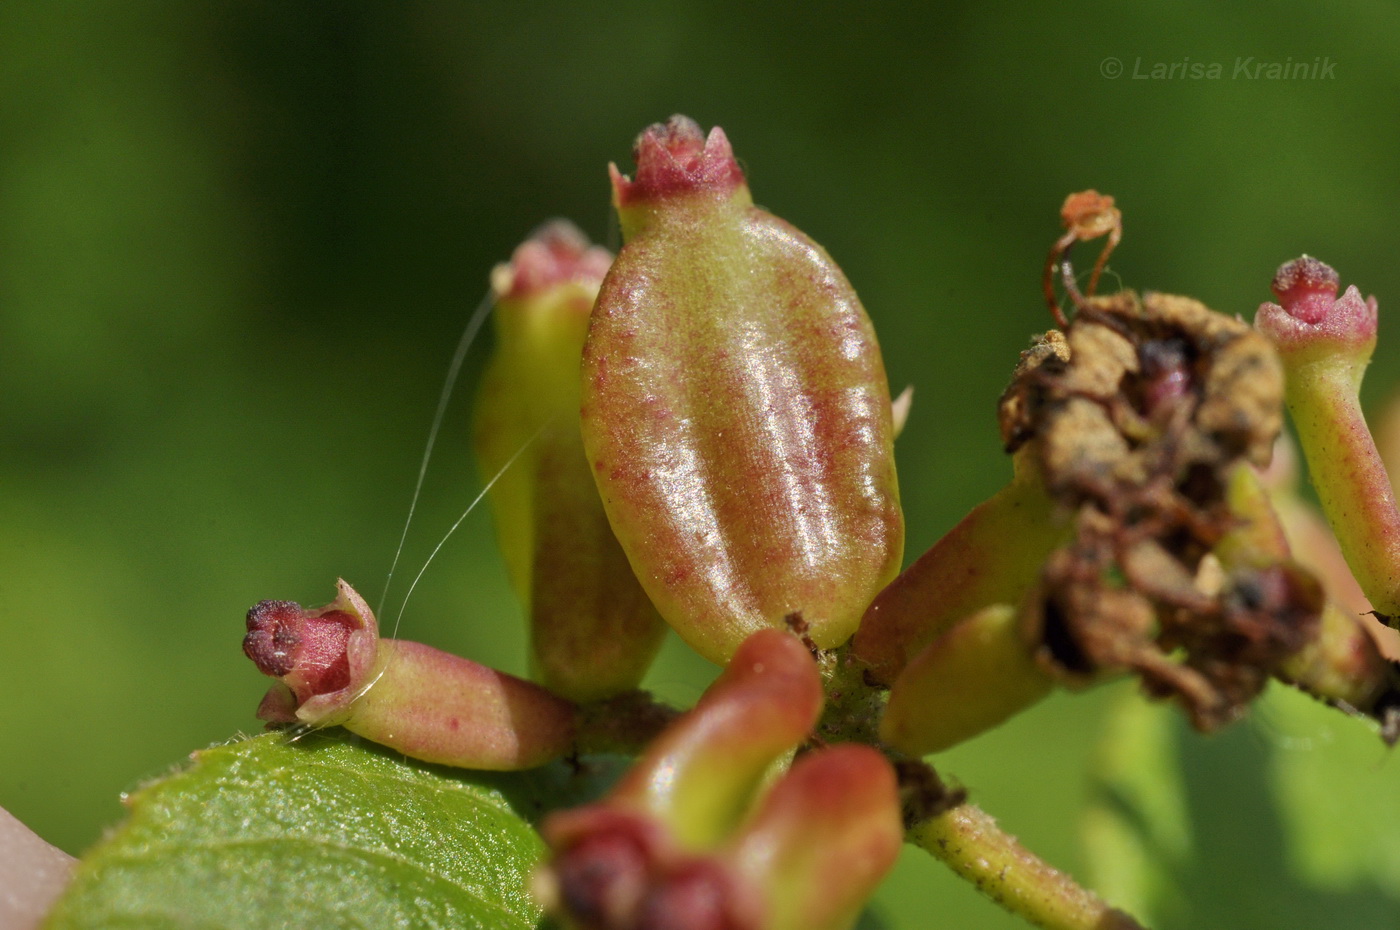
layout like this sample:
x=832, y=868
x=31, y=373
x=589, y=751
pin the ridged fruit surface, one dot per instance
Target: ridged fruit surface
x=735, y=409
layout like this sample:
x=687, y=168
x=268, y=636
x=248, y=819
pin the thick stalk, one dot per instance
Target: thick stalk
x=992, y=557
x=970, y=679
x=970, y=843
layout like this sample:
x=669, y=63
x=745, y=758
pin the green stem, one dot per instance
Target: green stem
x=992, y=557
x=1351, y=482
x=969, y=842
x=972, y=678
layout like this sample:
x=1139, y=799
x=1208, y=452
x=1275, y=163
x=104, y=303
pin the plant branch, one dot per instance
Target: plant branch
x=968, y=841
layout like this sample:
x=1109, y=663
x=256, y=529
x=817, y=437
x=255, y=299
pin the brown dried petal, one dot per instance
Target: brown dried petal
x=1138, y=414
x=1106, y=357
x=1083, y=450
x=1020, y=407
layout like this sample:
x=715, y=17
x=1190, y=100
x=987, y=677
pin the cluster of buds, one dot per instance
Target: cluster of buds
x=713, y=829
x=698, y=435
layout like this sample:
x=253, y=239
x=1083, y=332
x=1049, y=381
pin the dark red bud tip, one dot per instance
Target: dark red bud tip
x=605, y=861
x=272, y=635
x=1307, y=288
x=601, y=880
x=305, y=649
x=675, y=157
x=700, y=895
x=556, y=253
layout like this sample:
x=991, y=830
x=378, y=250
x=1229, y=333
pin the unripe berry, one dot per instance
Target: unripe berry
x=735, y=408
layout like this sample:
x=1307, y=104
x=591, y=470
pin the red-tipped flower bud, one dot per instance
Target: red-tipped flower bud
x=700, y=774
x=1325, y=343
x=735, y=409
x=333, y=669
x=823, y=838
x=689, y=840
x=593, y=632
x=1311, y=320
x=323, y=657
x=676, y=158
x=556, y=255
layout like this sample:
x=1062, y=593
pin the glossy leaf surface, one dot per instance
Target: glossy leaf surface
x=323, y=832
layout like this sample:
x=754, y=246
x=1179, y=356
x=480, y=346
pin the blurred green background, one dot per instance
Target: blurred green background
x=238, y=242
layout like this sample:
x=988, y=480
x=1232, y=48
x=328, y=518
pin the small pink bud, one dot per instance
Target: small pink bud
x=823, y=838
x=333, y=669
x=557, y=253
x=593, y=632
x=1325, y=344
x=652, y=854
x=807, y=857
x=322, y=656
x=699, y=775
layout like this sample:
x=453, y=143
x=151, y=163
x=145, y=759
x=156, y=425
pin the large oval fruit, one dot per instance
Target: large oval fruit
x=735, y=408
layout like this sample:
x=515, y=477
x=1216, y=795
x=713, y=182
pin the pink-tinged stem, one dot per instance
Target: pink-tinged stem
x=970, y=843
x=438, y=707
x=1325, y=343
x=1352, y=484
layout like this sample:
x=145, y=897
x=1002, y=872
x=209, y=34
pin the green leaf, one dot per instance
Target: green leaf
x=1289, y=820
x=326, y=831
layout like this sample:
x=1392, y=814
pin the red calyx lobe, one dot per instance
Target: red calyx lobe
x=307, y=650
x=615, y=869
x=675, y=157
x=1306, y=288
x=556, y=253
